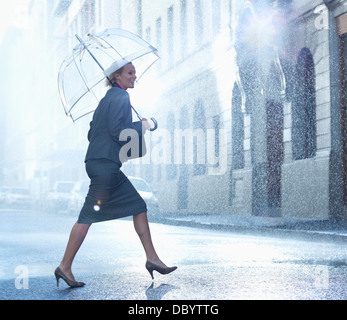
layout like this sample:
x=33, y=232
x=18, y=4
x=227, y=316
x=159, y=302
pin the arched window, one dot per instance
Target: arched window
x=304, y=107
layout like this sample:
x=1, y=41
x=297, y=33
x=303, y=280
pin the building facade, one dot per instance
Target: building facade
x=250, y=97
x=271, y=76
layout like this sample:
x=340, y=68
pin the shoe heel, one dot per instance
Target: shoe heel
x=57, y=278
x=151, y=273
x=149, y=269
x=59, y=274
x=162, y=270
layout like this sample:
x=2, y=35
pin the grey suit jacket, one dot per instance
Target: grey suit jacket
x=110, y=118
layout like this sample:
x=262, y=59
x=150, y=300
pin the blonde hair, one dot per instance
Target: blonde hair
x=111, y=79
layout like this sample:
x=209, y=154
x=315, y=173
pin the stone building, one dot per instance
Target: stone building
x=271, y=77
x=250, y=96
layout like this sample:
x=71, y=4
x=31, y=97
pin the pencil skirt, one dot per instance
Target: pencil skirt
x=111, y=195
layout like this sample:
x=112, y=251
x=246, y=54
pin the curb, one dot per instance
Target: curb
x=309, y=230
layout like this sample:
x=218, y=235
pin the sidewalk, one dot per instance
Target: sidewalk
x=316, y=229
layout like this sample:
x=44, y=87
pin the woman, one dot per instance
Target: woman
x=111, y=195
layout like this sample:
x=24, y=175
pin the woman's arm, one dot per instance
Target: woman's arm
x=121, y=118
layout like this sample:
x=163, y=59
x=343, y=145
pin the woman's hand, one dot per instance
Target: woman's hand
x=146, y=124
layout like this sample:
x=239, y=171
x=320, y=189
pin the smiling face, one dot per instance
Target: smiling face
x=126, y=78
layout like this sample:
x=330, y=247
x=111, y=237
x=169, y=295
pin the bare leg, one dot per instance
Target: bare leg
x=77, y=235
x=142, y=229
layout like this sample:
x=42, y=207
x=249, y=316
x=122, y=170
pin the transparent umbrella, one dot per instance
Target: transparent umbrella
x=82, y=76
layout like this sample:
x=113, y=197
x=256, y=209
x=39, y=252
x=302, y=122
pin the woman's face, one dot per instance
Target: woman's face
x=127, y=78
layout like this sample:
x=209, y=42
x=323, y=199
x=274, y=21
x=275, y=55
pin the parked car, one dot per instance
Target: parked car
x=78, y=195
x=16, y=197
x=80, y=190
x=146, y=193
x=3, y=195
x=58, y=199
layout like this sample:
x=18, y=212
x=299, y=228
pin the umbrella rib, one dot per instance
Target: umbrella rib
x=97, y=62
x=114, y=48
x=79, y=71
x=85, y=46
x=89, y=90
x=79, y=117
x=91, y=80
x=145, y=70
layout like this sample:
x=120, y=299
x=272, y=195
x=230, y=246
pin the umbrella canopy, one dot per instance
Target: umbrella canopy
x=82, y=76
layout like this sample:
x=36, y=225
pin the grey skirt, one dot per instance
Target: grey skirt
x=111, y=195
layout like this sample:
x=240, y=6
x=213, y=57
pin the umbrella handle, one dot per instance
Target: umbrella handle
x=155, y=125
x=140, y=118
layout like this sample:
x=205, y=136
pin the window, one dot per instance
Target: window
x=183, y=28
x=183, y=168
x=216, y=16
x=198, y=22
x=343, y=70
x=139, y=18
x=158, y=34
x=199, y=123
x=88, y=19
x=148, y=34
x=275, y=150
x=171, y=169
x=237, y=129
x=170, y=35
x=304, y=107
x=342, y=33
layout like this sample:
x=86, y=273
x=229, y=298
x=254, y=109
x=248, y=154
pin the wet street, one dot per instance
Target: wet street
x=211, y=264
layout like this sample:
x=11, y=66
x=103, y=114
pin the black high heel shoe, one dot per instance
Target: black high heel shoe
x=150, y=266
x=60, y=275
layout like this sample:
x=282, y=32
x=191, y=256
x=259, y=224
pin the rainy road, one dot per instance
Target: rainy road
x=211, y=264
